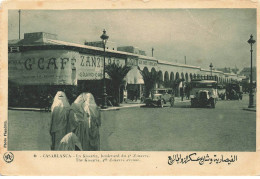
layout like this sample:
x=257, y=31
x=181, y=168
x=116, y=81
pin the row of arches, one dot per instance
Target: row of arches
x=187, y=77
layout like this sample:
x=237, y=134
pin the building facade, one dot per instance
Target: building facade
x=40, y=61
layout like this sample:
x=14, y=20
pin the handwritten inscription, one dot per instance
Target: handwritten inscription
x=179, y=159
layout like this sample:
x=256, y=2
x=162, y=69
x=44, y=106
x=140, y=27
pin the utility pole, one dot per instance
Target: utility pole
x=185, y=59
x=152, y=51
x=19, y=23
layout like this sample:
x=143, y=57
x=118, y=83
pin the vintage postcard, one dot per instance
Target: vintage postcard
x=129, y=87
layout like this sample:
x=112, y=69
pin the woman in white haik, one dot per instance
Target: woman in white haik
x=85, y=120
x=70, y=142
x=59, y=118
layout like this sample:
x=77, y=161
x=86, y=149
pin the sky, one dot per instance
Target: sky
x=202, y=35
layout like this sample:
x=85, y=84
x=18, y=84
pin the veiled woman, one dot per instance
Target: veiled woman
x=70, y=142
x=59, y=118
x=85, y=120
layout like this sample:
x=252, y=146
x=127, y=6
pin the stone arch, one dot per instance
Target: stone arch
x=186, y=77
x=166, y=79
x=216, y=77
x=172, y=76
x=166, y=76
x=191, y=77
x=194, y=76
x=198, y=76
x=177, y=77
x=153, y=70
x=182, y=76
x=145, y=69
x=160, y=79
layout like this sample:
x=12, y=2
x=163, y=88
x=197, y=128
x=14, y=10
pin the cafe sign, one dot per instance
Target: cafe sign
x=90, y=67
x=56, y=67
x=41, y=67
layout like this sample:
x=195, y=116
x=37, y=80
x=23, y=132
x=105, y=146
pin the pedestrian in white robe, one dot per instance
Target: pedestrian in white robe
x=70, y=142
x=85, y=120
x=59, y=118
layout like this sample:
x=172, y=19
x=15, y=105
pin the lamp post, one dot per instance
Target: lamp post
x=251, y=41
x=19, y=23
x=104, y=38
x=152, y=51
x=211, y=66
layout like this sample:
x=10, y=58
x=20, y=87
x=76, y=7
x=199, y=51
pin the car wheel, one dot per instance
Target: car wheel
x=161, y=104
x=213, y=104
x=172, y=102
x=193, y=104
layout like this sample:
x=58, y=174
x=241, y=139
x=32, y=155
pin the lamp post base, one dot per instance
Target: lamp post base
x=103, y=107
x=104, y=101
x=251, y=101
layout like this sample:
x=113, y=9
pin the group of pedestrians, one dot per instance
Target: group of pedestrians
x=185, y=91
x=75, y=126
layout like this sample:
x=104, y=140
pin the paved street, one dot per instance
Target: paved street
x=226, y=128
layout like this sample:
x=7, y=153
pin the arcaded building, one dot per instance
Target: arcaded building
x=40, y=64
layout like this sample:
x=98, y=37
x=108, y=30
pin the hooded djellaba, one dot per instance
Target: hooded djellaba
x=85, y=120
x=70, y=142
x=59, y=118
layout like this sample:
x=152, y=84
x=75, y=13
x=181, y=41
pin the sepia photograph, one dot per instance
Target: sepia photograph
x=132, y=79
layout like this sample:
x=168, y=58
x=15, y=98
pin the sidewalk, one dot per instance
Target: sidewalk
x=138, y=103
x=129, y=104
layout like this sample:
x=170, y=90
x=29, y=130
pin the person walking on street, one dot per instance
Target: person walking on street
x=84, y=121
x=59, y=118
x=181, y=93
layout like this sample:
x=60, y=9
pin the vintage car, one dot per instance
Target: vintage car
x=234, y=91
x=160, y=97
x=203, y=93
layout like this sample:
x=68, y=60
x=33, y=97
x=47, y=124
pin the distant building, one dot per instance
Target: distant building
x=247, y=71
x=131, y=49
x=228, y=70
x=109, y=45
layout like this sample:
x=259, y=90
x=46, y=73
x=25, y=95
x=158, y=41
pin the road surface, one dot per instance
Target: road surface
x=226, y=128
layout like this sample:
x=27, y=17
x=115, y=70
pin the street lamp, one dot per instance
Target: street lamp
x=211, y=66
x=251, y=41
x=104, y=38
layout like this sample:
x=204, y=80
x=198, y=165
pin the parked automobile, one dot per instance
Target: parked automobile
x=160, y=97
x=203, y=93
x=234, y=91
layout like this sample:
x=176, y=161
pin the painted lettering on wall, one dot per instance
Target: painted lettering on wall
x=90, y=67
x=41, y=67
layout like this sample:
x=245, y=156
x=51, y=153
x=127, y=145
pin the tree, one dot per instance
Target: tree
x=150, y=79
x=117, y=73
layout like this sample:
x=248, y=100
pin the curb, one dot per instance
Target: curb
x=121, y=107
x=249, y=109
x=27, y=109
x=107, y=109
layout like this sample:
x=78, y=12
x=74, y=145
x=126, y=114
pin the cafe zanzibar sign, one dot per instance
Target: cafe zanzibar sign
x=55, y=67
